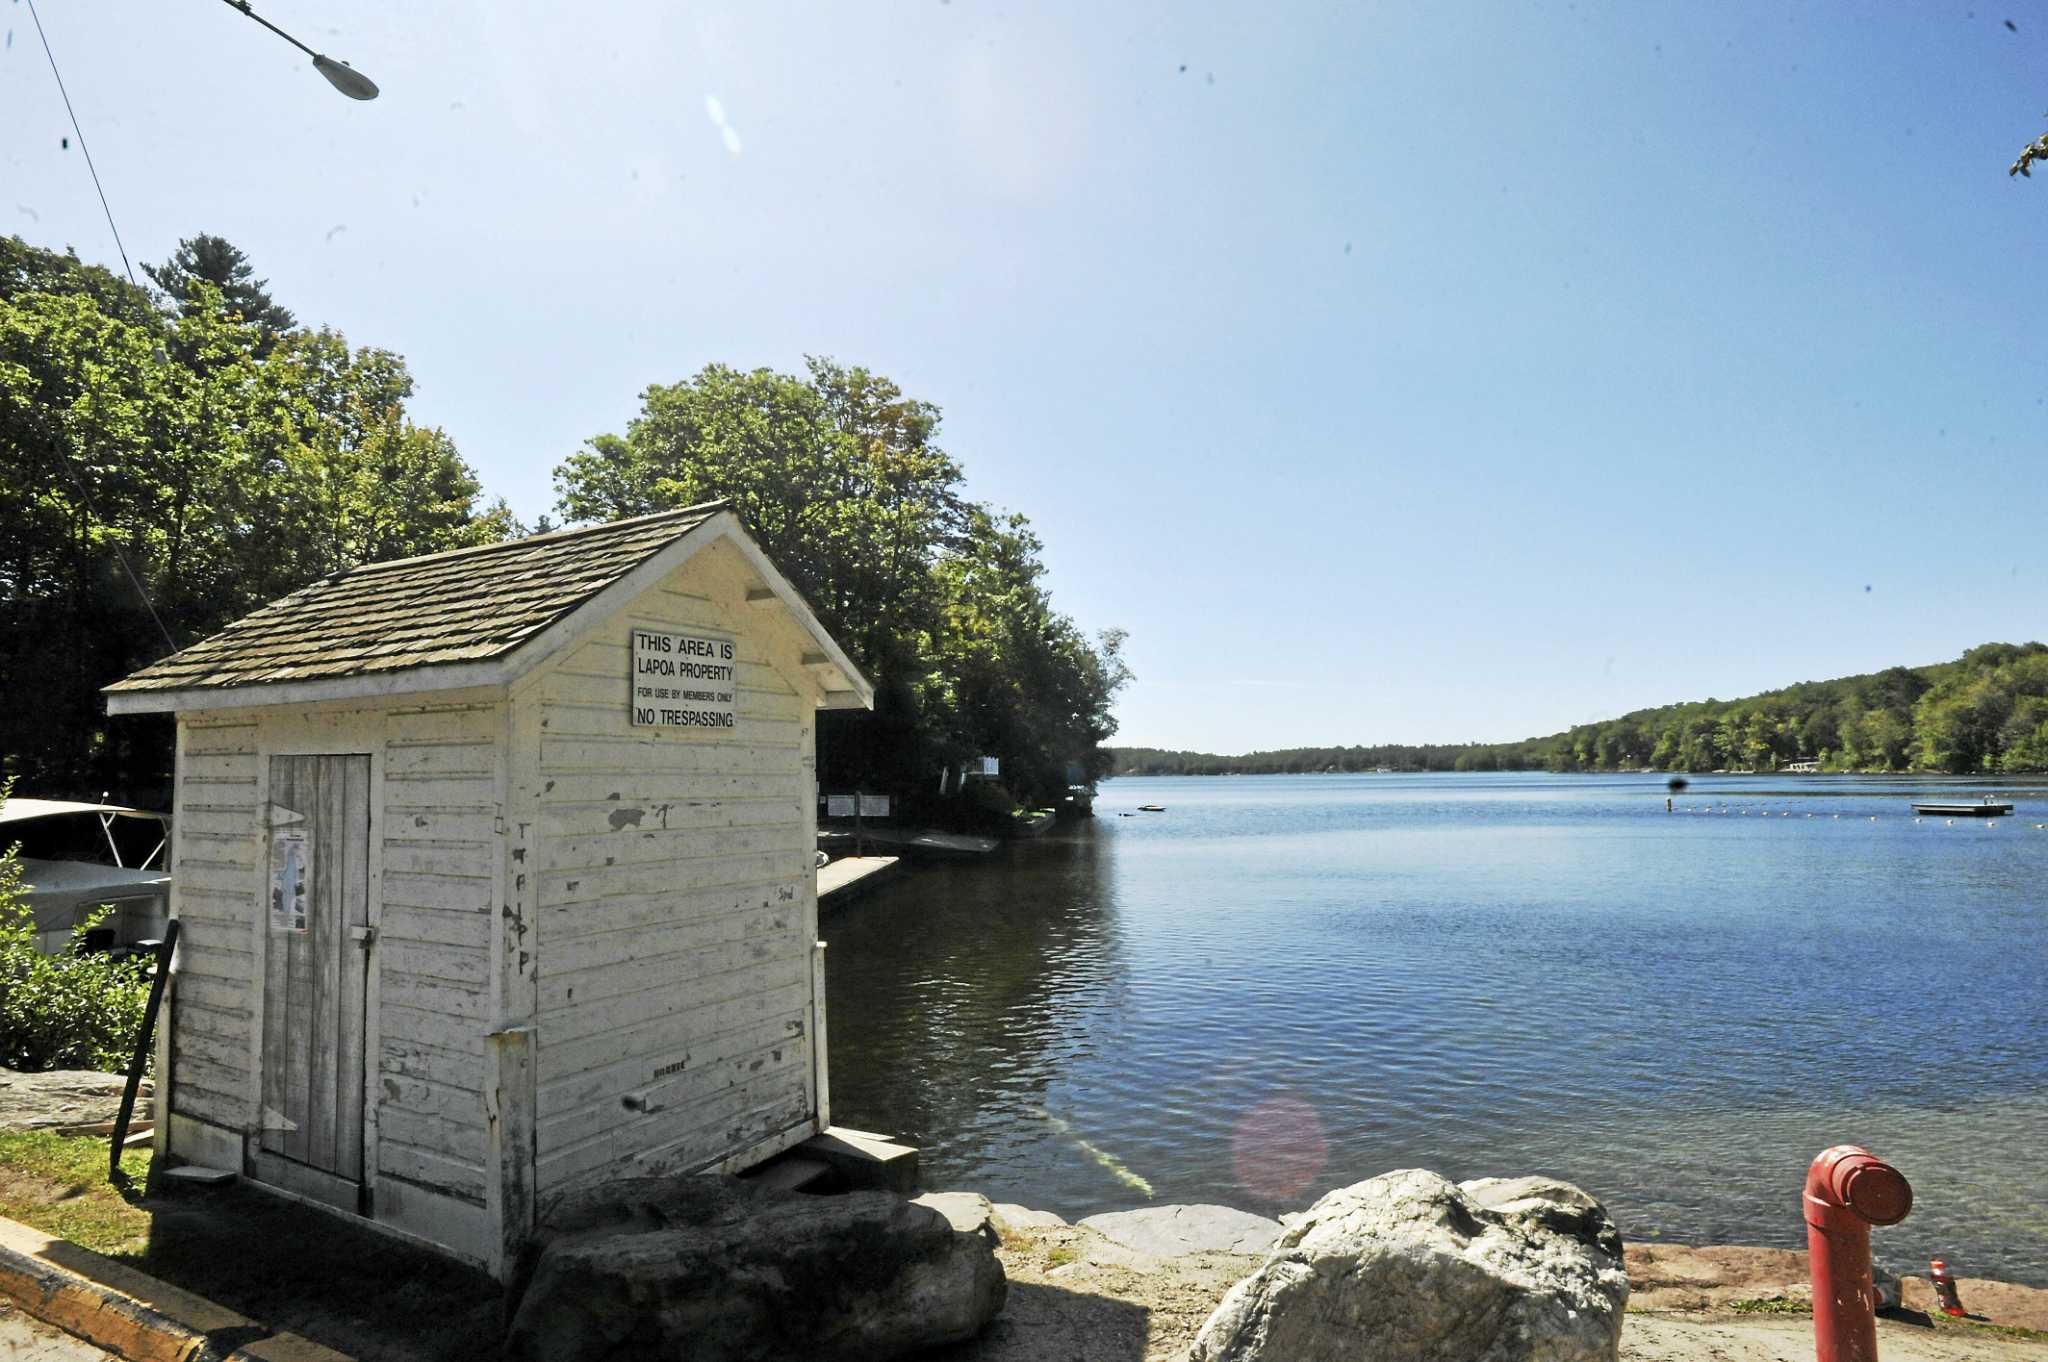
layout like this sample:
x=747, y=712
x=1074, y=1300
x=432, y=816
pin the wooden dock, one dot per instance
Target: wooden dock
x=849, y=877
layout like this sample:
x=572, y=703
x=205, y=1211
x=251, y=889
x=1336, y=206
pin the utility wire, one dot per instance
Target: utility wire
x=77, y=482
x=81, y=141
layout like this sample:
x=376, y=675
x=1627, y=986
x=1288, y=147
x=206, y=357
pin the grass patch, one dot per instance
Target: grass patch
x=1776, y=1305
x=1062, y=1254
x=289, y=1266
x=58, y=1183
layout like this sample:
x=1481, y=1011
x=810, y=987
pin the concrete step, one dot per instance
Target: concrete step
x=865, y=1160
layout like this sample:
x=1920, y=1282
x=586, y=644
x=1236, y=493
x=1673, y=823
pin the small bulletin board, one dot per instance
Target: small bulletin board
x=291, y=878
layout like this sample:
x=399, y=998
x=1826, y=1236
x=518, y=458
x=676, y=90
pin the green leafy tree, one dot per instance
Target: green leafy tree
x=835, y=473
x=840, y=477
x=198, y=456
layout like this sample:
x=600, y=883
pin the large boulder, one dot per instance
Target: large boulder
x=1410, y=1267
x=58, y=1099
x=967, y=1212
x=720, y=1270
x=1012, y=1219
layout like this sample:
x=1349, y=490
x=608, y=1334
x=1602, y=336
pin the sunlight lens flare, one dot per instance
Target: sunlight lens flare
x=1279, y=1148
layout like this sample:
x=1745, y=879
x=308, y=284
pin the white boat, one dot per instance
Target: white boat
x=76, y=857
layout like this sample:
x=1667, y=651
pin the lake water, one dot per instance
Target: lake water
x=1285, y=984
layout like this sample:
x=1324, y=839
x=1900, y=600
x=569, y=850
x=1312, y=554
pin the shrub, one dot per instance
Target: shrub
x=68, y=1011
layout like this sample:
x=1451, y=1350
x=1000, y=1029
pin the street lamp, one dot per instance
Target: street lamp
x=340, y=74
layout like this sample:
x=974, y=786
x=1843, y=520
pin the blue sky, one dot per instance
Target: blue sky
x=1392, y=373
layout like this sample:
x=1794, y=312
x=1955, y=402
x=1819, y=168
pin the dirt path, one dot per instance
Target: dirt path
x=1736, y=1338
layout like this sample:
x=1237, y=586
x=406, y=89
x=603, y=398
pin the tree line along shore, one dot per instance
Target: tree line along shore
x=1986, y=713
x=176, y=456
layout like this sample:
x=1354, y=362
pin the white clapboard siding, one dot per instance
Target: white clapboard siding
x=634, y=1021
x=701, y=964
x=574, y=1094
x=565, y=794
x=440, y=847
x=662, y=923
x=676, y=1140
x=779, y=867
x=767, y=833
x=216, y=877
x=602, y=819
x=458, y=1068
x=721, y=1084
x=675, y=936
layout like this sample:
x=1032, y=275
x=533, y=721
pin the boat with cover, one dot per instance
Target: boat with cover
x=78, y=857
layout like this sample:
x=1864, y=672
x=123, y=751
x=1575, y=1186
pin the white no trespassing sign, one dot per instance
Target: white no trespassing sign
x=684, y=681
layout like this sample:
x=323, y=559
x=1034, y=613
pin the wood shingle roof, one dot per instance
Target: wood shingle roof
x=467, y=605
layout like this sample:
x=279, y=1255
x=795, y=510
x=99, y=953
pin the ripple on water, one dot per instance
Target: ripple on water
x=1479, y=975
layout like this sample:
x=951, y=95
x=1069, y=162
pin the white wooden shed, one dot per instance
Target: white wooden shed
x=495, y=870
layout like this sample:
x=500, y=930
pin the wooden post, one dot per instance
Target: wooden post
x=819, y=1053
x=508, y=1117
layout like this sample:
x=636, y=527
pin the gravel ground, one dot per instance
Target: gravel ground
x=1712, y=1338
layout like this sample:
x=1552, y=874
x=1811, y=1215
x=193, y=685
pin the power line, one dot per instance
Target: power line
x=81, y=141
x=77, y=482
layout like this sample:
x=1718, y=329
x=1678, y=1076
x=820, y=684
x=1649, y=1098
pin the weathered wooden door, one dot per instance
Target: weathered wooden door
x=316, y=967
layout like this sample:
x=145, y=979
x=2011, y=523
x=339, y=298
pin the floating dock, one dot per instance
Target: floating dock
x=851, y=876
x=1984, y=810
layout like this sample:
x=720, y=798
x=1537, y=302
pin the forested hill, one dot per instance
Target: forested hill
x=1986, y=712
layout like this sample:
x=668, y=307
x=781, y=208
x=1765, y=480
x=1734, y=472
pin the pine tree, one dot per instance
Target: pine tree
x=218, y=261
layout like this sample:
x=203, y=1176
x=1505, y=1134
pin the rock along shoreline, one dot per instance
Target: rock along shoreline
x=1142, y=1283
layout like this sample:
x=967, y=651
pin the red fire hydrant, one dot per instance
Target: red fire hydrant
x=1847, y=1191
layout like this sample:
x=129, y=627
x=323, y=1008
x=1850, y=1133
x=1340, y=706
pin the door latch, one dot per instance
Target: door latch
x=362, y=936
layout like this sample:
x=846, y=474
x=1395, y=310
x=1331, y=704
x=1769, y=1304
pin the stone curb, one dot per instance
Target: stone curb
x=130, y=1313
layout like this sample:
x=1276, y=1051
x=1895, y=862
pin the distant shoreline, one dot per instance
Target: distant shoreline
x=2002, y=781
